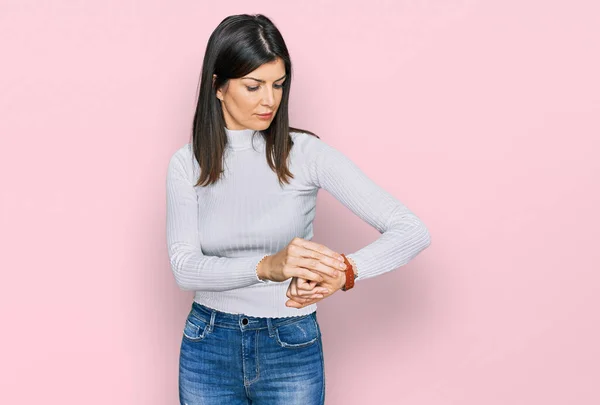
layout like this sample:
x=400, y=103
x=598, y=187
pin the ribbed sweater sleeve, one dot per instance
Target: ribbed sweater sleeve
x=403, y=234
x=192, y=269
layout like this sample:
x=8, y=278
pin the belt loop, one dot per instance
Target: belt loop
x=213, y=314
x=271, y=327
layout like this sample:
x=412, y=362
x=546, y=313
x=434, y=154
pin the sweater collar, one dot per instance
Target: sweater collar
x=241, y=138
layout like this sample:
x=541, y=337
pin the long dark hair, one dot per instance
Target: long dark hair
x=239, y=45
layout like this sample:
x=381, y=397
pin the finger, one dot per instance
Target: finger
x=301, y=256
x=297, y=300
x=302, y=296
x=307, y=274
x=316, y=261
x=289, y=289
x=308, y=287
x=292, y=304
x=302, y=293
x=308, y=294
x=315, y=266
x=318, y=248
x=292, y=290
x=307, y=284
x=296, y=304
x=310, y=298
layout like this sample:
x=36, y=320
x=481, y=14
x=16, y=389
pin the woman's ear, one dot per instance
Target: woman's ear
x=218, y=92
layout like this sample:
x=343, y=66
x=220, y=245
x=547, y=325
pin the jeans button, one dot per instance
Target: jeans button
x=245, y=321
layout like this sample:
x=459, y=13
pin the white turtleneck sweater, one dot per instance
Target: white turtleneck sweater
x=216, y=235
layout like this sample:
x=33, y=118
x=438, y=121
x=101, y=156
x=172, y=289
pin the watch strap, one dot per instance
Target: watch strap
x=350, y=275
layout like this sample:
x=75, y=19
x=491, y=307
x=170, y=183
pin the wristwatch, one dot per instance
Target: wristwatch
x=350, y=274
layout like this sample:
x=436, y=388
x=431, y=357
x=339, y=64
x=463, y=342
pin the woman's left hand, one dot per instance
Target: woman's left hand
x=303, y=292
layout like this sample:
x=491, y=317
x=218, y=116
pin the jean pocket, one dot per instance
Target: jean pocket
x=297, y=334
x=195, y=328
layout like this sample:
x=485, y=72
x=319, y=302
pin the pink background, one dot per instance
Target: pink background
x=481, y=116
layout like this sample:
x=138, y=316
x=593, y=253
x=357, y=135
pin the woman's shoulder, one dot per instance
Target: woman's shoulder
x=184, y=150
x=313, y=146
x=183, y=159
x=302, y=135
x=307, y=142
x=182, y=154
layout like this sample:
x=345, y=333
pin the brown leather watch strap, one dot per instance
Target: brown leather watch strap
x=349, y=274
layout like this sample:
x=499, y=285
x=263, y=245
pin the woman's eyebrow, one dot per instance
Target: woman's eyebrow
x=262, y=81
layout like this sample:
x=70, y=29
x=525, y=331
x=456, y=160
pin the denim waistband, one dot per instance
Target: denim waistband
x=236, y=321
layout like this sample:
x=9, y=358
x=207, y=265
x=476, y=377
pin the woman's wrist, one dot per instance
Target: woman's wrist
x=262, y=267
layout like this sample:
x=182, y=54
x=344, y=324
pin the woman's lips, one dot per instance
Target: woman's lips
x=265, y=116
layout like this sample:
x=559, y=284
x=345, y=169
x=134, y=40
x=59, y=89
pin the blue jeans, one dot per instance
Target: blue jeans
x=239, y=359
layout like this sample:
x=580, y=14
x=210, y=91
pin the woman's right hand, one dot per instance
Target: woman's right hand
x=301, y=258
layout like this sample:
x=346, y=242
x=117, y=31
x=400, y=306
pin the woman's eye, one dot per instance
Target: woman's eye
x=276, y=86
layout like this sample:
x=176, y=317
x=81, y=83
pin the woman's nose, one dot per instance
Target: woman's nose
x=269, y=97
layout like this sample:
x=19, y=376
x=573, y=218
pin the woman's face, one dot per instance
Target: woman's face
x=259, y=92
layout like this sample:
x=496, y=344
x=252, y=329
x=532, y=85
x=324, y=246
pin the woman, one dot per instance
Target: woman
x=240, y=204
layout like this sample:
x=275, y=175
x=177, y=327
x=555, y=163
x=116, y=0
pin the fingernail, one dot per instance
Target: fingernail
x=343, y=265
